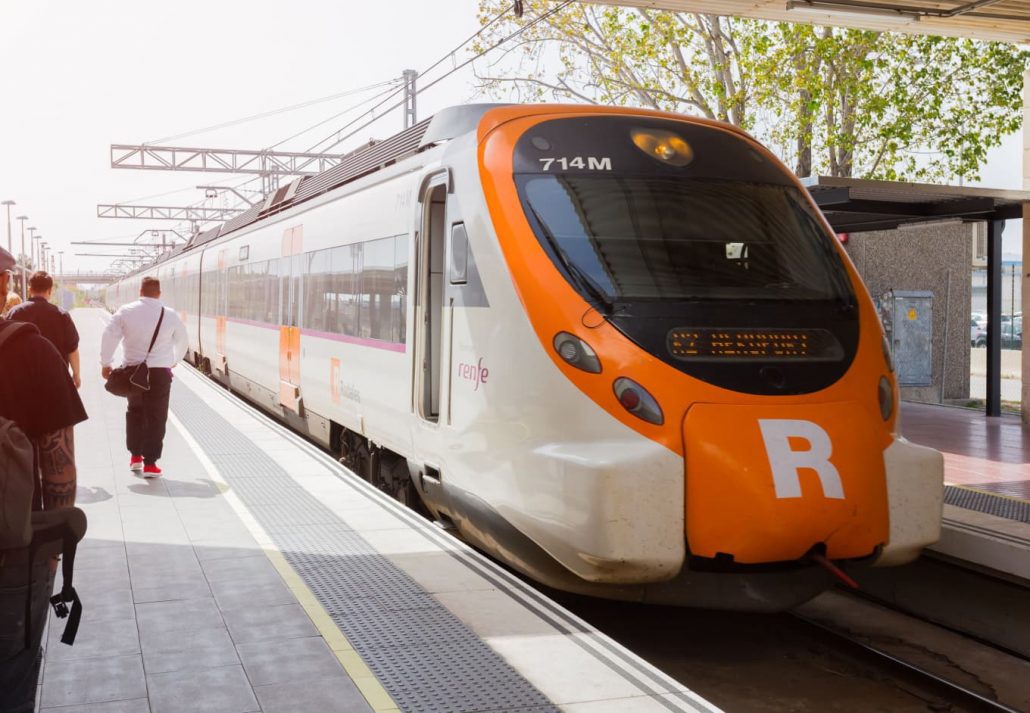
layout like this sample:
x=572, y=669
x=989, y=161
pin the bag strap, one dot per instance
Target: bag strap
x=157, y=329
x=67, y=595
x=12, y=329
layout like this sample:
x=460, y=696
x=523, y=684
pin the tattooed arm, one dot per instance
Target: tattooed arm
x=57, y=465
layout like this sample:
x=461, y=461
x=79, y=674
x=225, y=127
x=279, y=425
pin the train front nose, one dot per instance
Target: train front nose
x=769, y=483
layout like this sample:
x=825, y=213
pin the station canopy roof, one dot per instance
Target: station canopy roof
x=855, y=205
x=1003, y=20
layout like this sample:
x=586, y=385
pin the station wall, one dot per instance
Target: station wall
x=921, y=258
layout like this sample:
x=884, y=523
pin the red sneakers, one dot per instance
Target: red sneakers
x=151, y=471
x=136, y=463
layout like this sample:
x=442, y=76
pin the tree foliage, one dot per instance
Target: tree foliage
x=832, y=101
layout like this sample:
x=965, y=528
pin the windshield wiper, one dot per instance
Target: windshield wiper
x=581, y=278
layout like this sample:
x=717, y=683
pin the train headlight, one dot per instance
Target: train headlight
x=576, y=352
x=664, y=146
x=635, y=399
x=885, y=393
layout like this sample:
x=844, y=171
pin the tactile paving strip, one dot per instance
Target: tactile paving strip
x=980, y=501
x=425, y=657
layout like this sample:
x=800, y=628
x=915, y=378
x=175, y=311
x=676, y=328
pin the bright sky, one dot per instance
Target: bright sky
x=79, y=76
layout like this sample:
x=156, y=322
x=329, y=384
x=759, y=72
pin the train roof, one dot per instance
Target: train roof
x=443, y=126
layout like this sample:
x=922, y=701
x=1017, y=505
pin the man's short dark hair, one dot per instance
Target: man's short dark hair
x=41, y=282
x=150, y=287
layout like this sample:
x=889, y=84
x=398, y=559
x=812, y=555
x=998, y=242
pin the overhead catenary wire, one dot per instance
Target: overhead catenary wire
x=399, y=90
x=436, y=81
x=271, y=112
x=392, y=83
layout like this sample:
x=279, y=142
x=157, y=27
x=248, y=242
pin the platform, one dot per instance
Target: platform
x=259, y=575
x=987, y=484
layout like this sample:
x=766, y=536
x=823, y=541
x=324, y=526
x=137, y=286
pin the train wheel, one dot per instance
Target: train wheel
x=356, y=455
x=396, y=481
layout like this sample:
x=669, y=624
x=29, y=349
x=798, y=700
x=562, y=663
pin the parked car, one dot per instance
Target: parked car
x=1011, y=332
x=977, y=333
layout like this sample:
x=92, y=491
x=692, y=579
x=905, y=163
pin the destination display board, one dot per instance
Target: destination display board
x=706, y=343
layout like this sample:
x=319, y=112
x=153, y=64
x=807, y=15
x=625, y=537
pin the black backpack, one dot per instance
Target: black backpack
x=29, y=534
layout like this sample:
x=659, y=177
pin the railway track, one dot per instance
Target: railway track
x=948, y=691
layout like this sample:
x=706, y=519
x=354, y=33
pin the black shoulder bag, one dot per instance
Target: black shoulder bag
x=124, y=379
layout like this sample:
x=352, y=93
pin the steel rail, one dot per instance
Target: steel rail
x=970, y=700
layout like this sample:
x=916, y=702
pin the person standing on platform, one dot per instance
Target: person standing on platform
x=37, y=394
x=12, y=300
x=53, y=322
x=137, y=325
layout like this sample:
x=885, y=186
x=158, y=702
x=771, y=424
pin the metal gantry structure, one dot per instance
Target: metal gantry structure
x=269, y=164
x=201, y=214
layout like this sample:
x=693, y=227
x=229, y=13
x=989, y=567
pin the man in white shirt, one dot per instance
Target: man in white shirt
x=133, y=326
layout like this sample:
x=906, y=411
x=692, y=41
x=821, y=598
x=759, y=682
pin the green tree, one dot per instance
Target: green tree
x=834, y=101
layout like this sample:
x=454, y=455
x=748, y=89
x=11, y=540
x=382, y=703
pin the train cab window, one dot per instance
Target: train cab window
x=700, y=215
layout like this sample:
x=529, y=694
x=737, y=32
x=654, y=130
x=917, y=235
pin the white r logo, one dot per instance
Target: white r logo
x=786, y=462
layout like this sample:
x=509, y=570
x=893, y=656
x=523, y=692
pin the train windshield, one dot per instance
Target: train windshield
x=648, y=213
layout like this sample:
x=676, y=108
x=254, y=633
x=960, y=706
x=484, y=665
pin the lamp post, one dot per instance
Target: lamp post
x=32, y=245
x=42, y=254
x=8, y=204
x=24, y=280
x=35, y=249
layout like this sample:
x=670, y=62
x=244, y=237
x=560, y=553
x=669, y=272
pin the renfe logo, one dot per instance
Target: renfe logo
x=476, y=373
x=786, y=462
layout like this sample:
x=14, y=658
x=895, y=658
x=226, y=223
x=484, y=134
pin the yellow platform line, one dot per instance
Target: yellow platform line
x=376, y=696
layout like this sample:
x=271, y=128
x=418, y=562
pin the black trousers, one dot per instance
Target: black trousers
x=19, y=666
x=147, y=415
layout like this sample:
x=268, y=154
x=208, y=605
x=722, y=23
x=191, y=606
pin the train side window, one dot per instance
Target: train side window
x=459, y=254
x=400, y=290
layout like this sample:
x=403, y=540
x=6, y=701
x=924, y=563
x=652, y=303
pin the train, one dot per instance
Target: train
x=619, y=350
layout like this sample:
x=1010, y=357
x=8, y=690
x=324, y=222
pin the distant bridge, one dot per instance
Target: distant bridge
x=82, y=278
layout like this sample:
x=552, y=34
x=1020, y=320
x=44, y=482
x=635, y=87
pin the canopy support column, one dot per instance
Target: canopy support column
x=994, y=231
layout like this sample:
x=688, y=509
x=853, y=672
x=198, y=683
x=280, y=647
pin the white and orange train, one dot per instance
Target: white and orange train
x=619, y=350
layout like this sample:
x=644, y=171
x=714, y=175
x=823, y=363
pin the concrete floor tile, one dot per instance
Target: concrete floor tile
x=209, y=550
x=96, y=588
x=95, y=680
x=172, y=589
x=234, y=594
x=177, y=650
x=216, y=690
x=184, y=615
x=287, y=621
x=291, y=660
x=112, y=637
x=136, y=705
x=100, y=607
x=244, y=569
x=332, y=695
x=181, y=563
x=103, y=558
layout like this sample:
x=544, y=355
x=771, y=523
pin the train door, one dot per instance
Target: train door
x=291, y=268
x=429, y=320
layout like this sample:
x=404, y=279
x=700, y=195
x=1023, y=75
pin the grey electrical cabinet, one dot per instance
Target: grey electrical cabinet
x=908, y=319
